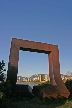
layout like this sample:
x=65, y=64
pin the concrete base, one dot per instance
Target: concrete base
x=49, y=92
x=23, y=91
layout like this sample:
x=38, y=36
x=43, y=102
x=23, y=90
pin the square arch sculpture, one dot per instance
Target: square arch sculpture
x=54, y=65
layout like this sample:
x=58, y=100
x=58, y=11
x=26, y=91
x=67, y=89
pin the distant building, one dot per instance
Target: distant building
x=30, y=79
x=40, y=77
x=23, y=79
x=47, y=78
x=44, y=77
x=70, y=78
x=62, y=77
x=19, y=78
x=35, y=79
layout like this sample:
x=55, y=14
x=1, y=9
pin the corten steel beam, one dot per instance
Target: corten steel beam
x=54, y=65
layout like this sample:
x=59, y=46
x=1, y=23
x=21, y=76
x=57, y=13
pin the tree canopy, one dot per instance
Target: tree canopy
x=2, y=69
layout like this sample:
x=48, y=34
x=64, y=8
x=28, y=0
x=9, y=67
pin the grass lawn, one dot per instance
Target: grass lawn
x=36, y=103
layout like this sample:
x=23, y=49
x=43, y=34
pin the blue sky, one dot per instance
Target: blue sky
x=48, y=21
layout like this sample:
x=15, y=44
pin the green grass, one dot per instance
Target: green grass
x=36, y=103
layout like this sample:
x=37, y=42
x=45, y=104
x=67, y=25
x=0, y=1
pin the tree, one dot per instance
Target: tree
x=5, y=87
x=2, y=64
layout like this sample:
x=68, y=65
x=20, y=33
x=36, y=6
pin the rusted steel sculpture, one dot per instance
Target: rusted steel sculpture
x=54, y=65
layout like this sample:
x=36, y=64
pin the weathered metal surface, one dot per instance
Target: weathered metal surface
x=54, y=64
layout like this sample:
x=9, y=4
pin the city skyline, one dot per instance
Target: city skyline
x=33, y=75
x=39, y=21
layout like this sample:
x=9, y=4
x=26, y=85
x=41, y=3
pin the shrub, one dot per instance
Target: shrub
x=68, y=84
x=45, y=83
x=1, y=95
x=5, y=87
x=3, y=100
